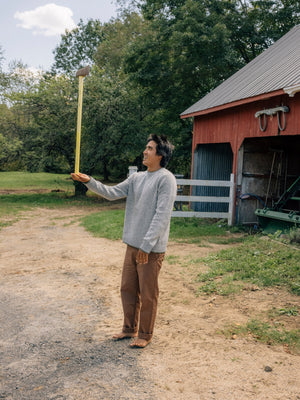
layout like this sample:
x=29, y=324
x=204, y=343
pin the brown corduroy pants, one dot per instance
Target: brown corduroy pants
x=139, y=293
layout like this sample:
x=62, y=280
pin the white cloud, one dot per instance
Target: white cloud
x=48, y=20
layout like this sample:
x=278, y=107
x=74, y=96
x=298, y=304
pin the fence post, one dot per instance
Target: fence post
x=231, y=200
x=132, y=169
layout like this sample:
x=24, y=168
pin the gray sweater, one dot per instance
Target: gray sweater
x=149, y=204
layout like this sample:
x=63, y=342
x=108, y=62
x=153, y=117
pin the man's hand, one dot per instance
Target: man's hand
x=141, y=258
x=80, y=177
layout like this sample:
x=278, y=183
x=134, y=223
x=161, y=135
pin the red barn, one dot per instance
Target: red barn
x=250, y=126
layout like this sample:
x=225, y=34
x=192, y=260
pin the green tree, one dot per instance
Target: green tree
x=183, y=52
x=255, y=25
x=113, y=138
x=77, y=47
x=42, y=116
x=110, y=110
x=15, y=115
x=2, y=74
x=115, y=115
x=10, y=144
x=53, y=121
x=117, y=36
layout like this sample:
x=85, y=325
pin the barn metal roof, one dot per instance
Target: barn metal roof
x=276, y=68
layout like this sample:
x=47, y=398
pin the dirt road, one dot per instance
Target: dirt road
x=60, y=304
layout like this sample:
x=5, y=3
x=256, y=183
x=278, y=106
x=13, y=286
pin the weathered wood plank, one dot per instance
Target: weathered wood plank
x=187, y=214
x=198, y=182
x=203, y=199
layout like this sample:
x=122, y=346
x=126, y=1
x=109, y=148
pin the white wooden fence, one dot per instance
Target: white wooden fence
x=207, y=199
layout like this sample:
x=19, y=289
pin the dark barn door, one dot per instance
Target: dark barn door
x=212, y=162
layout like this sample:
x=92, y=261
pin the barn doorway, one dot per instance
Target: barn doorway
x=267, y=167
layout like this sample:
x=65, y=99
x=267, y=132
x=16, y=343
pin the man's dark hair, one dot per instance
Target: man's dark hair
x=163, y=148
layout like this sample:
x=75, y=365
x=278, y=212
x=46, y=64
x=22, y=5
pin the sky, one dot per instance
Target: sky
x=30, y=30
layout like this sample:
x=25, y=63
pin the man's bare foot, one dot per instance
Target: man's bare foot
x=140, y=343
x=124, y=335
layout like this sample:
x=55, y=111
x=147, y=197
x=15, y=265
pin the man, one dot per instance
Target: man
x=150, y=198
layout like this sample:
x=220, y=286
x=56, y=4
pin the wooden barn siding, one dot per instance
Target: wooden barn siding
x=235, y=124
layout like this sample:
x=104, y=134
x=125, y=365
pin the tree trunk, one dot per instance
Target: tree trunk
x=105, y=172
x=80, y=189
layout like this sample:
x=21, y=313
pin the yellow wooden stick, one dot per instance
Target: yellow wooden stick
x=78, y=133
x=81, y=74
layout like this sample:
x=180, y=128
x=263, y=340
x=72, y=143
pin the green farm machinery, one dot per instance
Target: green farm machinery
x=285, y=214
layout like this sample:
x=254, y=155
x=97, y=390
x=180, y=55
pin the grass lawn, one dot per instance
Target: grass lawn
x=27, y=181
x=22, y=191
x=258, y=260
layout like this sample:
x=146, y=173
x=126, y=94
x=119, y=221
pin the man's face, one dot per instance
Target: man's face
x=151, y=159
